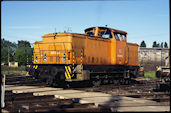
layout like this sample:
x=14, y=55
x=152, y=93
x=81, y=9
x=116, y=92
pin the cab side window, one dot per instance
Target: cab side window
x=90, y=34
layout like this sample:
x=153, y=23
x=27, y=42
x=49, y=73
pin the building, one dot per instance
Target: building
x=152, y=57
x=13, y=64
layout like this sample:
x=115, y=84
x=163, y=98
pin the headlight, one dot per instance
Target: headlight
x=64, y=57
x=45, y=57
x=36, y=59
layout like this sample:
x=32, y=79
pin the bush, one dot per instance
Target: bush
x=150, y=74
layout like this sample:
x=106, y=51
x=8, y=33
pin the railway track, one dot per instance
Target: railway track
x=24, y=80
x=27, y=102
x=146, y=90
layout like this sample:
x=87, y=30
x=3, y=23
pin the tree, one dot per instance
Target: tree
x=161, y=45
x=7, y=50
x=23, y=44
x=158, y=45
x=165, y=45
x=24, y=49
x=143, y=44
x=154, y=44
x=16, y=52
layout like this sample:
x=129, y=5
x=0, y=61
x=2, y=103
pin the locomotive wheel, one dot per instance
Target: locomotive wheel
x=68, y=85
x=49, y=81
x=54, y=71
x=126, y=82
x=31, y=71
x=105, y=81
x=96, y=83
x=116, y=82
x=121, y=81
x=36, y=74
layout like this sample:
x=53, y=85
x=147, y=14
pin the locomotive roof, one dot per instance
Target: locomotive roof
x=114, y=30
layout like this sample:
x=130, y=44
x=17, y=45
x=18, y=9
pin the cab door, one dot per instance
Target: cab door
x=120, y=49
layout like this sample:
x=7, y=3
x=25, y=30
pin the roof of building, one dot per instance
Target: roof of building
x=155, y=48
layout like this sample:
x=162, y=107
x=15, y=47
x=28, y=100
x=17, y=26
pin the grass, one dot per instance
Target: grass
x=150, y=74
x=13, y=70
x=21, y=70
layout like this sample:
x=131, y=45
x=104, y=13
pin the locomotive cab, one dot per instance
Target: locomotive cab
x=105, y=32
x=118, y=45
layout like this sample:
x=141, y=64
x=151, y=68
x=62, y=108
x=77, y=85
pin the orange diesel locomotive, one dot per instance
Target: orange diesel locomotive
x=101, y=55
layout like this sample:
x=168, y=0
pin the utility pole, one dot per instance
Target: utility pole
x=161, y=56
x=8, y=56
x=69, y=30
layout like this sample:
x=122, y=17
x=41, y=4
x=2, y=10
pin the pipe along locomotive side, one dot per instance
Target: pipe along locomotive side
x=102, y=55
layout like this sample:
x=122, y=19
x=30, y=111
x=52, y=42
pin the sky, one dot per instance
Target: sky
x=146, y=20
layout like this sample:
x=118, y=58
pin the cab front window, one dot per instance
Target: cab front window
x=116, y=37
x=106, y=34
x=120, y=37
